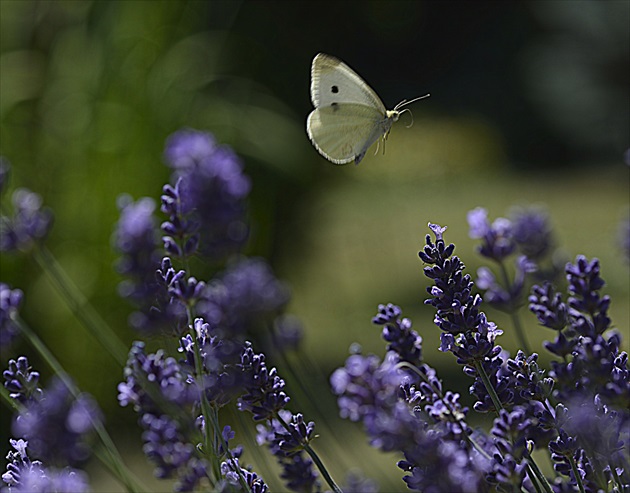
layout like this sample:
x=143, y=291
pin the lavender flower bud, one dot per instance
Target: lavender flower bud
x=21, y=382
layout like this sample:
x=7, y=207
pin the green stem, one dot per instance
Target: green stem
x=12, y=403
x=80, y=306
x=212, y=429
x=518, y=328
x=111, y=457
x=313, y=454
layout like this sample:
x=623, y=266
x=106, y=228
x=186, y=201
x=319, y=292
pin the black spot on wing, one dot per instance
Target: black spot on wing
x=334, y=106
x=334, y=89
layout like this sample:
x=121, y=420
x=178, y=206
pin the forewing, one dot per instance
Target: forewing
x=332, y=81
x=343, y=132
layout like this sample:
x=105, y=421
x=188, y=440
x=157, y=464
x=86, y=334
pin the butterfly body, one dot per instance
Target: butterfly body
x=348, y=117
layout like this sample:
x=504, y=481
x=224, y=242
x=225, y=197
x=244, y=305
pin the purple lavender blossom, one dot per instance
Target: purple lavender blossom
x=548, y=307
x=527, y=234
x=497, y=238
x=529, y=379
x=288, y=447
x=221, y=379
x=288, y=333
x=243, y=298
x=466, y=331
x=10, y=301
x=165, y=445
x=233, y=472
x=26, y=476
x=135, y=238
x=532, y=232
x=365, y=384
x=396, y=417
x=212, y=190
x=29, y=224
x=511, y=430
x=162, y=373
x=264, y=392
x=588, y=310
x=185, y=149
x=399, y=334
x=57, y=426
x=592, y=439
x=597, y=367
x=441, y=466
x=21, y=382
x=595, y=364
x=154, y=383
x=508, y=473
x=181, y=231
x=147, y=280
x=505, y=299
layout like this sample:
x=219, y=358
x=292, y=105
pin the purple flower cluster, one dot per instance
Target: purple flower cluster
x=206, y=207
x=402, y=407
x=577, y=412
x=205, y=211
x=237, y=476
x=165, y=394
x=178, y=401
x=244, y=299
x=58, y=426
x=10, y=301
x=156, y=385
x=28, y=225
x=466, y=332
x=264, y=392
x=591, y=361
x=286, y=440
x=55, y=425
x=21, y=382
x=528, y=234
x=159, y=291
x=26, y=476
x=151, y=380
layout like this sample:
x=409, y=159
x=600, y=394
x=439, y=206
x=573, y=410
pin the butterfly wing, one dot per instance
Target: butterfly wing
x=343, y=132
x=332, y=81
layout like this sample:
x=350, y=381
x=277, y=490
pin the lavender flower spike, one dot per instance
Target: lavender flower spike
x=10, y=301
x=29, y=224
x=211, y=190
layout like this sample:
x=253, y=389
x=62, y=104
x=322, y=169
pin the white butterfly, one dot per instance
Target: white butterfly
x=348, y=116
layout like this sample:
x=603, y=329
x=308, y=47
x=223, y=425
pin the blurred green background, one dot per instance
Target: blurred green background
x=529, y=105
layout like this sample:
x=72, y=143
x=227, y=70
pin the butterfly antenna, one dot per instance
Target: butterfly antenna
x=404, y=102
